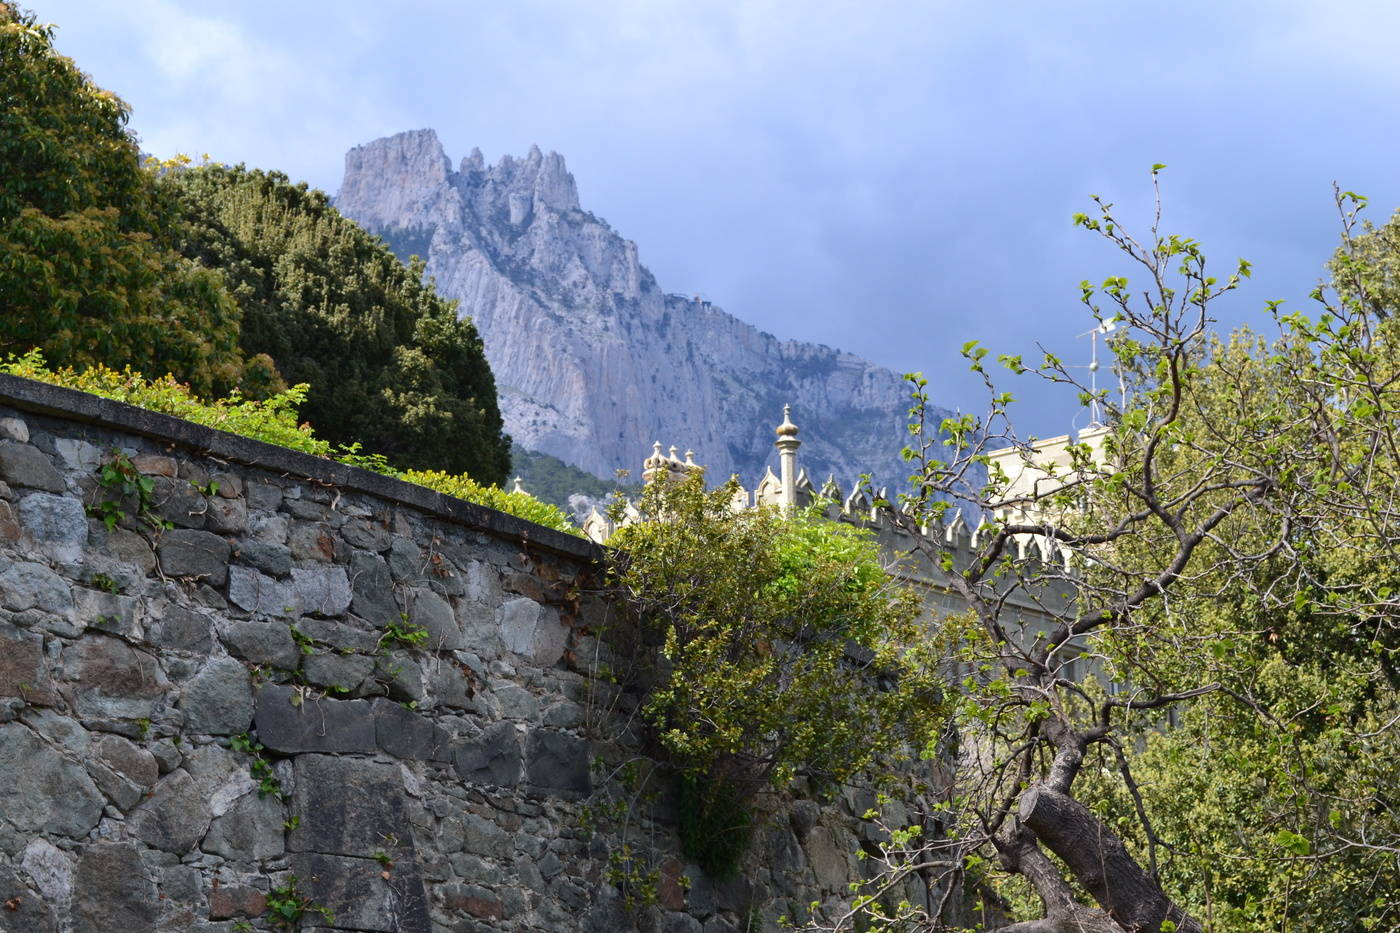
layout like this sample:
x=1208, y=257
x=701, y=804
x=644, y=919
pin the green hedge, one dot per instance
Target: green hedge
x=275, y=421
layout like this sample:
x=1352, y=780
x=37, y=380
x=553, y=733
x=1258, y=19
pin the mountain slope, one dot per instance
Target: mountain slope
x=593, y=361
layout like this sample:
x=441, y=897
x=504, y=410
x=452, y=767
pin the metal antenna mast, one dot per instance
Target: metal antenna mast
x=1095, y=409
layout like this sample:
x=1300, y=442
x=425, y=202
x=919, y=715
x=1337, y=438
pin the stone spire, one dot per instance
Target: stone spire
x=787, y=444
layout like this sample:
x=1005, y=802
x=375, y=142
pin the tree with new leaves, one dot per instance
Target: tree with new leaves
x=86, y=272
x=1228, y=762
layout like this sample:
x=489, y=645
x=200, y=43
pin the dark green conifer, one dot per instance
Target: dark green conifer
x=389, y=363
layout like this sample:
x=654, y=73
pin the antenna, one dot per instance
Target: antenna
x=1104, y=329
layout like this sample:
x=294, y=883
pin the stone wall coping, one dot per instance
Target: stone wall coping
x=72, y=405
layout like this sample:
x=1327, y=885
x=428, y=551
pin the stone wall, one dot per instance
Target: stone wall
x=203, y=723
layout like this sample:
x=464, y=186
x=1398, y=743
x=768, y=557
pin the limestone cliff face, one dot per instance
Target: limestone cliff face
x=593, y=360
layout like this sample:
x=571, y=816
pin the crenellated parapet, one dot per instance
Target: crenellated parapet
x=1031, y=472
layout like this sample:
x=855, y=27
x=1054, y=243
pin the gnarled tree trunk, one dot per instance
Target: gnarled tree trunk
x=1099, y=862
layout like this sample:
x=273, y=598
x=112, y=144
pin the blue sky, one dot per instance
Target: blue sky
x=890, y=178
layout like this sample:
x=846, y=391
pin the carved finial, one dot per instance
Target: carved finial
x=652, y=465
x=690, y=458
x=519, y=485
x=787, y=428
x=673, y=454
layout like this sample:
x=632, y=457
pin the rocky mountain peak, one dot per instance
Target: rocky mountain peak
x=473, y=164
x=543, y=179
x=386, y=178
x=593, y=361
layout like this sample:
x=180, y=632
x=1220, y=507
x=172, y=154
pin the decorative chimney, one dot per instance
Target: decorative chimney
x=787, y=444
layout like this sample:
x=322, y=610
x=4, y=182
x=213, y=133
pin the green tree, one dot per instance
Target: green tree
x=389, y=363
x=84, y=270
x=1227, y=763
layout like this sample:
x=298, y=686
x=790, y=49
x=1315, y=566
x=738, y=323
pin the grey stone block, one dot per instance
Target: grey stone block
x=226, y=516
x=405, y=734
x=56, y=523
x=329, y=669
x=483, y=837
x=406, y=562
x=323, y=591
x=23, y=669
x=528, y=629
x=312, y=541
x=515, y=701
x=314, y=726
x=491, y=758
x=113, y=891
x=367, y=534
x=266, y=556
x=26, y=585
x=186, y=552
x=339, y=635
x=259, y=594
x=15, y=429
x=373, y=589
x=401, y=676
x=342, y=806
x=128, y=547
x=249, y=830
x=181, y=629
x=43, y=791
x=113, y=679
x=355, y=890
x=263, y=496
x=681, y=923
x=317, y=590
x=177, y=501
x=219, y=700
x=557, y=761
x=269, y=526
x=305, y=510
x=269, y=643
x=51, y=871
x=450, y=687
x=23, y=465
x=174, y=817
x=123, y=770
x=181, y=883
x=430, y=611
x=108, y=612
x=803, y=815
x=565, y=714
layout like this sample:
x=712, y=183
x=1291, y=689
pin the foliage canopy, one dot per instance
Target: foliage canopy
x=86, y=270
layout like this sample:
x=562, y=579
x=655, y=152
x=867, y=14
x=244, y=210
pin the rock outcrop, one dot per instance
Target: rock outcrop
x=593, y=360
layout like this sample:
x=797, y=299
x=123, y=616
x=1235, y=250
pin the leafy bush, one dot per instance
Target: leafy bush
x=273, y=420
x=520, y=504
x=785, y=649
